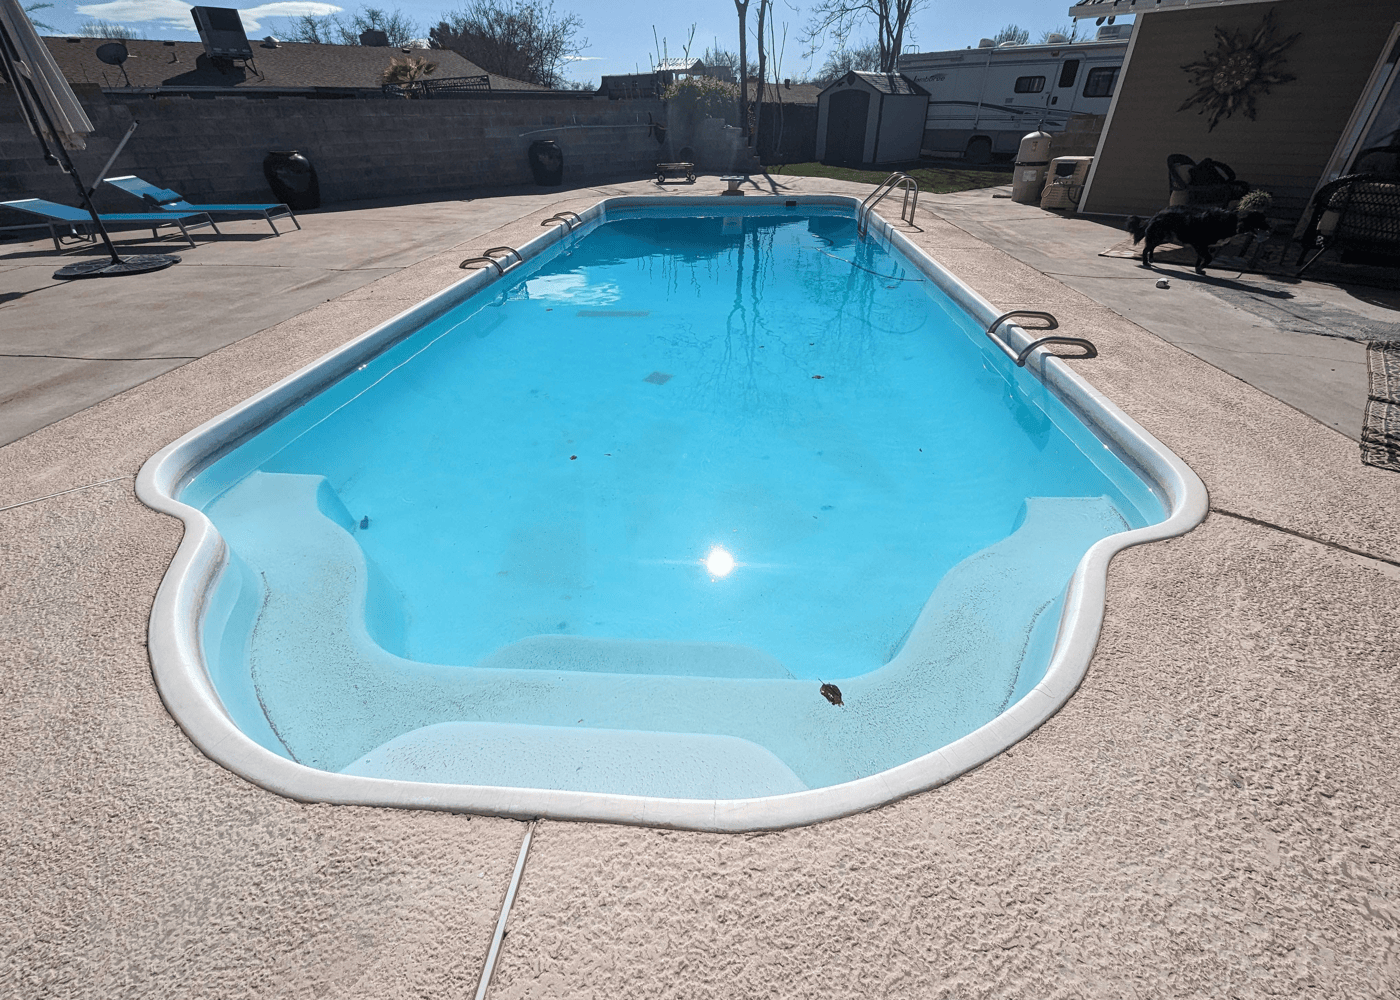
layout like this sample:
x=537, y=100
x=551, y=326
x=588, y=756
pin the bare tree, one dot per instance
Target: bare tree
x=1069, y=31
x=838, y=18
x=864, y=57
x=743, y=10
x=333, y=30
x=763, y=6
x=777, y=146
x=663, y=49
x=98, y=28
x=728, y=58
x=1012, y=33
x=522, y=39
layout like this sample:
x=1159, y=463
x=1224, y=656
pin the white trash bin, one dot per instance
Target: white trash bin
x=1032, y=163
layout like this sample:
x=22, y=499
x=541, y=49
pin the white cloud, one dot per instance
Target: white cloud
x=165, y=11
x=286, y=8
x=176, y=14
x=582, y=58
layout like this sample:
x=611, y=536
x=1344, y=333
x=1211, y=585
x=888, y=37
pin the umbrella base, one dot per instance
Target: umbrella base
x=109, y=269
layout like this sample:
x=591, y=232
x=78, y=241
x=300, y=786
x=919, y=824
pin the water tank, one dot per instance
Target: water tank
x=1032, y=163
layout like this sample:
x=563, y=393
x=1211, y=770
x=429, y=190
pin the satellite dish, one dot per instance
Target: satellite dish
x=112, y=53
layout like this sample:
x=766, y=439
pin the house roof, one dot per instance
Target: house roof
x=884, y=83
x=681, y=66
x=1102, y=8
x=154, y=63
x=797, y=93
x=891, y=83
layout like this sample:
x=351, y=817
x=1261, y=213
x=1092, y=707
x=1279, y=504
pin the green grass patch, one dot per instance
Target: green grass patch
x=937, y=180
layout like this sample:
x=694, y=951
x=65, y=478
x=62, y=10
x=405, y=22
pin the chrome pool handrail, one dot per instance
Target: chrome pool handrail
x=486, y=258
x=1090, y=351
x=906, y=211
x=563, y=216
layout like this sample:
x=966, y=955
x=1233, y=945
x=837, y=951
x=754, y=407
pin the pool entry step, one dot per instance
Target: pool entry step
x=337, y=700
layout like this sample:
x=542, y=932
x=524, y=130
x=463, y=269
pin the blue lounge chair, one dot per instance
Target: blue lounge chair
x=75, y=219
x=166, y=200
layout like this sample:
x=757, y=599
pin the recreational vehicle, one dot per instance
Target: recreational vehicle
x=983, y=100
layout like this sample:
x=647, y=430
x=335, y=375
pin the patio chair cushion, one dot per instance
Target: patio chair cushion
x=166, y=200
x=55, y=212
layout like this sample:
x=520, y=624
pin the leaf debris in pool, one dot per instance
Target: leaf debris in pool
x=832, y=693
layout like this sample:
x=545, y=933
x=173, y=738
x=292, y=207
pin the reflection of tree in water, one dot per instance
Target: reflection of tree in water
x=798, y=307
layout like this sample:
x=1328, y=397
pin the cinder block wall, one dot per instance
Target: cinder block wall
x=212, y=149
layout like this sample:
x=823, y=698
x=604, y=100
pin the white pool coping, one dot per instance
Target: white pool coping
x=188, y=693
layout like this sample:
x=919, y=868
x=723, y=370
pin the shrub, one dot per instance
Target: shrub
x=715, y=98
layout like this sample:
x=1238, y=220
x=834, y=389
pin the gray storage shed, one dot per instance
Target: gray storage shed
x=870, y=118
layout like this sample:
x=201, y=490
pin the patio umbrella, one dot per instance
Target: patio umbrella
x=58, y=121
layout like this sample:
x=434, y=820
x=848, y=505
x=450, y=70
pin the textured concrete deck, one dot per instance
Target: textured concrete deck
x=1215, y=813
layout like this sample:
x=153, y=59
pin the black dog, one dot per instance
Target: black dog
x=1194, y=227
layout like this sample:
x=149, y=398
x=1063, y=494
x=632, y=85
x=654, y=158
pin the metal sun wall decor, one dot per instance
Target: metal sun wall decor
x=1242, y=67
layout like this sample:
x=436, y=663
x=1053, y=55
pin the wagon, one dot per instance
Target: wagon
x=664, y=170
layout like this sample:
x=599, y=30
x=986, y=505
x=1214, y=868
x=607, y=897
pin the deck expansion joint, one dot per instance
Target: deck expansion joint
x=1307, y=537
x=60, y=493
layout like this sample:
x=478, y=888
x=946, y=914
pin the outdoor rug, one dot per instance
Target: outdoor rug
x=1239, y=254
x=1380, y=432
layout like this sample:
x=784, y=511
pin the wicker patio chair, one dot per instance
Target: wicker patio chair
x=1358, y=212
x=1208, y=182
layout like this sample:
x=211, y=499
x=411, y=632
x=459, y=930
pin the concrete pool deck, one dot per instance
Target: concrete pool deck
x=1215, y=813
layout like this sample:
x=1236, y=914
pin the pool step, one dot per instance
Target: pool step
x=995, y=605
x=620, y=761
x=338, y=700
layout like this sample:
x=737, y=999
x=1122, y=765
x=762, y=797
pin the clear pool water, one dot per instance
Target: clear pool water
x=610, y=524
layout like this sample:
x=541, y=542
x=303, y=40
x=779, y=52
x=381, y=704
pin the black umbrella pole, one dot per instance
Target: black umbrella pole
x=35, y=113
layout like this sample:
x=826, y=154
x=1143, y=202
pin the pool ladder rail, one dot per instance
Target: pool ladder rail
x=569, y=219
x=1090, y=351
x=906, y=212
x=487, y=258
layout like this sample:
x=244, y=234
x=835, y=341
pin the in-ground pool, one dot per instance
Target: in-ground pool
x=597, y=536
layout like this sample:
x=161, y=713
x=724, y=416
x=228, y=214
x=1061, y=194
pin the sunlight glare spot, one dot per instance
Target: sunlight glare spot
x=719, y=562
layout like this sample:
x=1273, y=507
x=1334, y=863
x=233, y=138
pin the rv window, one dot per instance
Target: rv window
x=1100, y=81
x=1030, y=84
x=1068, y=72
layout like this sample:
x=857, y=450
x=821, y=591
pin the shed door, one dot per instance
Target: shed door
x=845, y=126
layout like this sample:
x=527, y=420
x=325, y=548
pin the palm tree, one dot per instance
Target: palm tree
x=34, y=20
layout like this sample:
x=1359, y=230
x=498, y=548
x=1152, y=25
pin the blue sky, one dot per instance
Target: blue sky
x=619, y=31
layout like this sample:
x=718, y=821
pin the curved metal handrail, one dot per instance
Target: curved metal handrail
x=906, y=211
x=1090, y=351
x=518, y=258
x=486, y=258
x=563, y=217
x=483, y=260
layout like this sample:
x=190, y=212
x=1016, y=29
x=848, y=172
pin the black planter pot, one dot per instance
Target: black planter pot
x=293, y=180
x=547, y=163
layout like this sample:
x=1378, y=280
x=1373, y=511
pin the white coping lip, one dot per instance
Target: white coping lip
x=178, y=665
